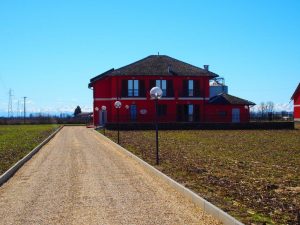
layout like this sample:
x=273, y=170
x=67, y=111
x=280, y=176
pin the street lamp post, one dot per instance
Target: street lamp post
x=97, y=110
x=156, y=93
x=103, y=108
x=118, y=105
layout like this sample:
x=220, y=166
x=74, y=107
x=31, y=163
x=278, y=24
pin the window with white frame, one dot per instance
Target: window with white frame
x=163, y=85
x=133, y=88
x=191, y=88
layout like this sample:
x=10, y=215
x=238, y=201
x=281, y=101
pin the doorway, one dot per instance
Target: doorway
x=102, y=117
x=133, y=113
x=235, y=115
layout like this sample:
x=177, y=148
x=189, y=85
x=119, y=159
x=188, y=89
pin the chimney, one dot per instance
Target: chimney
x=206, y=67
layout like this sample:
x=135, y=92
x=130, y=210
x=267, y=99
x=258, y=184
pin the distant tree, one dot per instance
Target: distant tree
x=77, y=110
x=262, y=109
x=270, y=109
x=270, y=106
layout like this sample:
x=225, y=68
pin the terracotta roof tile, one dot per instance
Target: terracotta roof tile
x=157, y=65
x=226, y=99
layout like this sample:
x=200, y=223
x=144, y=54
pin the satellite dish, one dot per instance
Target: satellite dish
x=118, y=104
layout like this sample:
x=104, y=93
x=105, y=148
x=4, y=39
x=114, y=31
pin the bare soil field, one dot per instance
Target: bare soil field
x=251, y=174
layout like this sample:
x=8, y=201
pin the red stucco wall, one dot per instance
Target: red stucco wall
x=105, y=94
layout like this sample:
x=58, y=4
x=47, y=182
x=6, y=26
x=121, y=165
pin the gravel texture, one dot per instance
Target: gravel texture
x=79, y=178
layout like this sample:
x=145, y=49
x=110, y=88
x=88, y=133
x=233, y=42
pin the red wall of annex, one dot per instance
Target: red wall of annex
x=297, y=105
x=223, y=113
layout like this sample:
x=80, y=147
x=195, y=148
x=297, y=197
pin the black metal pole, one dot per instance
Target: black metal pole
x=103, y=122
x=118, y=126
x=156, y=128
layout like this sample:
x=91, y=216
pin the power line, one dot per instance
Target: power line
x=24, y=108
x=18, y=109
x=10, y=108
x=3, y=83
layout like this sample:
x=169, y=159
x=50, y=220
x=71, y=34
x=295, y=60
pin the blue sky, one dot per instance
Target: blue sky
x=50, y=49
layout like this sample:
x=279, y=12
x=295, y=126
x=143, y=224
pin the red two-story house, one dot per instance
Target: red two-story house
x=187, y=94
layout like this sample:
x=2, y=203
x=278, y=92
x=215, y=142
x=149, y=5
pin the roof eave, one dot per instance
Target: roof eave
x=100, y=76
x=251, y=103
x=212, y=75
x=298, y=87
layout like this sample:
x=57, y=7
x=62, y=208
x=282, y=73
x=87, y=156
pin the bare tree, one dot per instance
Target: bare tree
x=270, y=106
x=269, y=109
x=262, y=109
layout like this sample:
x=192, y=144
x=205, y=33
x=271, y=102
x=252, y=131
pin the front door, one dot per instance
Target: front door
x=190, y=113
x=179, y=113
x=133, y=112
x=102, y=117
x=235, y=115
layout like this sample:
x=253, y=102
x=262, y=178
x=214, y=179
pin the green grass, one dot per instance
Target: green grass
x=248, y=173
x=18, y=140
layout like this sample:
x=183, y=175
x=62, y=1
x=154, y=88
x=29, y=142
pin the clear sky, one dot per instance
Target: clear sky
x=50, y=49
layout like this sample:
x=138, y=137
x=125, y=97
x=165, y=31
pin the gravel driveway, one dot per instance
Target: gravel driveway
x=79, y=178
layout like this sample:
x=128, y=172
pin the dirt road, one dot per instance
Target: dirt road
x=79, y=178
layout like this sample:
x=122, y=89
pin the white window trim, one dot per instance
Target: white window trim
x=166, y=98
x=132, y=98
x=121, y=98
x=192, y=98
x=104, y=99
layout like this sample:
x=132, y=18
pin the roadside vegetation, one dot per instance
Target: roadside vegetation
x=251, y=174
x=18, y=140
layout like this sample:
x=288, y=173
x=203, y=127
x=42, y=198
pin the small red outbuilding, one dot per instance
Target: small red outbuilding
x=296, y=98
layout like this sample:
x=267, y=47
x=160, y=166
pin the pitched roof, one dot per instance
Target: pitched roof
x=157, y=65
x=226, y=99
x=101, y=75
x=297, y=89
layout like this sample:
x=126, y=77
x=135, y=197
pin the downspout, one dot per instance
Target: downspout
x=117, y=88
x=206, y=68
x=204, y=92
